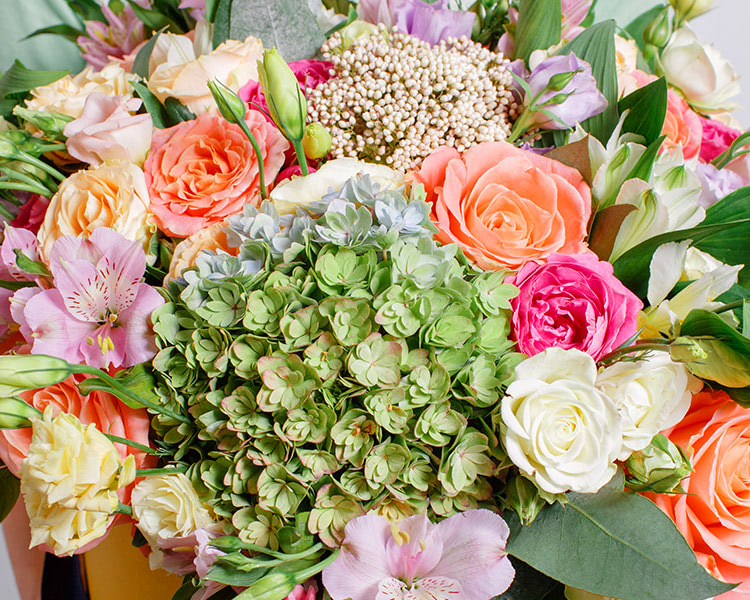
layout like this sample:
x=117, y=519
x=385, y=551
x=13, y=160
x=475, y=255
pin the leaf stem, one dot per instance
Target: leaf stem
x=163, y=471
x=297, y=145
x=258, y=155
x=643, y=346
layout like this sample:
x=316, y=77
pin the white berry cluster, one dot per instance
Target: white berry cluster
x=394, y=98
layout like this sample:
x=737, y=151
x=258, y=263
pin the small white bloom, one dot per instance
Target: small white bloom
x=650, y=394
x=560, y=430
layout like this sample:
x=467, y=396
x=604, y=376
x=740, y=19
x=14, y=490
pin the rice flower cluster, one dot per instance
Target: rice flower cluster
x=395, y=98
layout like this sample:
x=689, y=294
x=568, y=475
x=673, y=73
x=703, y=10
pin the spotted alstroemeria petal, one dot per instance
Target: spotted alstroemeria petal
x=429, y=588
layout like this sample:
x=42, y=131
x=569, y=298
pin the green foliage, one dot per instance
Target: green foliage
x=578, y=543
x=648, y=108
x=10, y=488
x=538, y=27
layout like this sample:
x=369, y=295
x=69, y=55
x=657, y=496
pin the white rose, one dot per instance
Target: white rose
x=306, y=191
x=706, y=79
x=167, y=506
x=560, y=430
x=650, y=394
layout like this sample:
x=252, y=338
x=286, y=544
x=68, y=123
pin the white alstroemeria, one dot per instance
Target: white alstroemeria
x=667, y=267
x=327, y=18
x=648, y=220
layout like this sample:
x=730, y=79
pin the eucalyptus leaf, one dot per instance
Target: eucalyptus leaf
x=222, y=15
x=648, y=109
x=596, y=46
x=539, y=26
x=600, y=542
x=9, y=489
x=287, y=25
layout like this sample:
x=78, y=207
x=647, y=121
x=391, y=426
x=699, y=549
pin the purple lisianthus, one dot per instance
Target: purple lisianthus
x=562, y=92
x=432, y=23
x=197, y=8
x=716, y=183
x=112, y=40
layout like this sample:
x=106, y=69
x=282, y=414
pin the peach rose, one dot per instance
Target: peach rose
x=505, y=206
x=211, y=238
x=180, y=71
x=199, y=172
x=714, y=515
x=112, y=195
x=102, y=409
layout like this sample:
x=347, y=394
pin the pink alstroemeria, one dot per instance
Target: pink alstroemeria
x=573, y=14
x=113, y=40
x=462, y=557
x=98, y=311
x=16, y=238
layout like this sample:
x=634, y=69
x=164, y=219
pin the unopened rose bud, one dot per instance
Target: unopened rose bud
x=286, y=102
x=523, y=496
x=15, y=413
x=689, y=9
x=30, y=371
x=231, y=106
x=658, y=31
x=317, y=141
x=659, y=467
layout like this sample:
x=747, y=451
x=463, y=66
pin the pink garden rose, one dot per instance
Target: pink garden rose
x=717, y=137
x=572, y=302
x=109, y=129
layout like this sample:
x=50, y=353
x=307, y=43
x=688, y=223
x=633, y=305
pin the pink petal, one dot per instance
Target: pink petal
x=419, y=556
x=17, y=307
x=474, y=553
x=362, y=564
x=135, y=323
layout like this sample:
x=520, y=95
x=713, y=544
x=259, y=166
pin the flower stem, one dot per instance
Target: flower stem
x=643, y=346
x=27, y=158
x=730, y=306
x=258, y=155
x=118, y=389
x=131, y=443
x=297, y=145
x=164, y=471
x=25, y=187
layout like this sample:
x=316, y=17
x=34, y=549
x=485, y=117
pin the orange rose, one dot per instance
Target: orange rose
x=104, y=410
x=211, y=238
x=199, y=172
x=505, y=206
x=714, y=515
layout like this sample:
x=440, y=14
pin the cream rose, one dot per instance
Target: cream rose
x=112, y=195
x=212, y=238
x=68, y=95
x=558, y=429
x=706, y=79
x=651, y=394
x=167, y=506
x=307, y=191
x=182, y=72
x=69, y=482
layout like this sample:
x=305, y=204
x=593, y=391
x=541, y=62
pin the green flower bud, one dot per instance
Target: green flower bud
x=51, y=124
x=317, y=141
x=277, y=585
x=332, y=511
x=428, y=385
x=287, y=382
x=354, y=32
x=355, y=483
x=375, y=362
x=353, y=436
x=231, y=107
x=384, y=463
x=30, y=371
x=438, y=423
x=350, y=319
x=523, y=497
x=657, y=32
x=689, y=9
x=659, y=467
x=468, y=460
x=278, y=491
x=257, y=526
x=15, y=413
x=386, y=407
x=286, y=102
x=325, y=357
x=319, y=462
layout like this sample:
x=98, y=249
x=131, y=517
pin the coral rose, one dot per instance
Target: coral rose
x=505, y=206
x=113, y=195
x=572, y=302
x=106, y=412
x=199, y=172
x=714, y=514
x=212, y=238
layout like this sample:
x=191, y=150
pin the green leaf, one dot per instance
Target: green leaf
x=20, y=79
x=153, y=19
x=177, y=111
x=733, y=246
x=727, y=359
x=153, y=106
x=639, y=24
x=32, y=267
x=288, y=25
x=212, y=7
x=89, y=10
x=613, y=543
x=142, y=59
x=596, y=46
x=222, y=22
x=645, y=165
x=539, y=26
x=9, y=489
x=648, y=108
x=67, y=31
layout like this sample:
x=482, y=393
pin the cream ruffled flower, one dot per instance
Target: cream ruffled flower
x=69, y=482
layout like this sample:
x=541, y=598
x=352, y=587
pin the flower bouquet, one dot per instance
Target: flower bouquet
x=382, y=300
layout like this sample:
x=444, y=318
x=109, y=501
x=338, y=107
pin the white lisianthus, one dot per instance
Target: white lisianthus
x=69, y=481
x=331, y=177
x=558, y=428
x=706, y=79
x=650, y=394
x=167, y=506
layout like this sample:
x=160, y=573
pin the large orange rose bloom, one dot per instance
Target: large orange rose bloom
x=201, y=171
x=102, y=409
x=505, y=206
x=714, y=515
